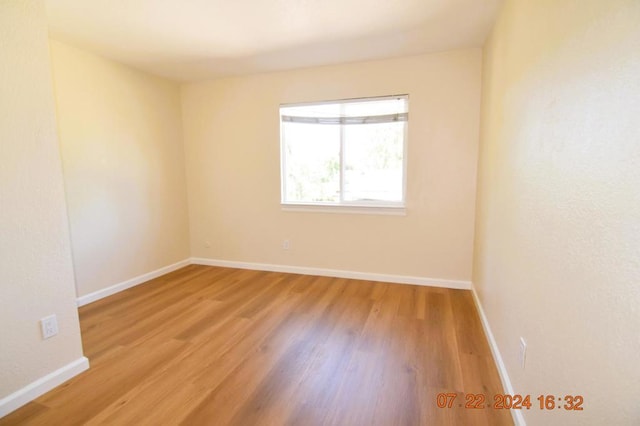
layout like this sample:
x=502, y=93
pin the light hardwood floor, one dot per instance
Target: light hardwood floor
x=217, y=346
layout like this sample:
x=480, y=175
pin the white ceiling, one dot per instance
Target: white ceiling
x=204, y=39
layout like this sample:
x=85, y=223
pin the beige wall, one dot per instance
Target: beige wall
x=233, y=168
x=558, y=225
x=121, y=141
x=36, y=274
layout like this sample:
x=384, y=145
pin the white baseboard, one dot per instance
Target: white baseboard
x=402, y=279
x=97, y=295
x=337, y=273
x=41, y=386
x=517, y=415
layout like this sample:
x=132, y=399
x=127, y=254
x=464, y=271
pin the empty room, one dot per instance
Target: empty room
x=346, y=213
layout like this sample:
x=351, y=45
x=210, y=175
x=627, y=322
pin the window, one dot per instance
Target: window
x=345, y=153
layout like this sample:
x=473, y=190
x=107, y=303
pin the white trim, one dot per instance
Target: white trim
x=345, y=208
x=400, y=279
x=518, y=417
x=41, y=386
x=348, y=100
x=97, y=295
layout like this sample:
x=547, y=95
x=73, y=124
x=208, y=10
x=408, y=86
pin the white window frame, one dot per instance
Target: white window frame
x=357, y=207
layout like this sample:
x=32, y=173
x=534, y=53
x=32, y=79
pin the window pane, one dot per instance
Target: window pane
x=373, y=156
x=379, y=107
x=349, y=108
x=316, y=110
x=349, y=151
x=312, y=162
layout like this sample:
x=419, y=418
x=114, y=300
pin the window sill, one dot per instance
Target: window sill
x=346, y=209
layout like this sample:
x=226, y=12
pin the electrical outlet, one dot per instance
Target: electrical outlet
x=286, y=245
x=523, y=352
x=49, y=326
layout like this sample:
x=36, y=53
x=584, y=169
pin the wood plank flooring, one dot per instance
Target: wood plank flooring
x=218, y=346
